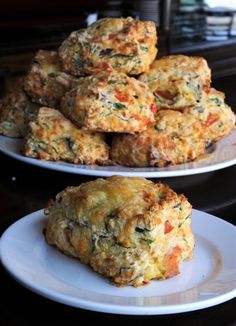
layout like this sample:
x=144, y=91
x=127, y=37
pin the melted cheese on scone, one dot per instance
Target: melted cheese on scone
x=123, y=44
x=128, y=229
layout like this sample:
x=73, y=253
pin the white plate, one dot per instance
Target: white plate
x=221, y=155
x=206, y=280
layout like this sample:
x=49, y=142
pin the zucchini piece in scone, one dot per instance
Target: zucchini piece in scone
x=215, y=113
x=175, y=138
x=16, y=110
x=130, y=230
x=45, y=81
x=110, y=102
x=178, y=81
x=122, y=44
x=52, y=137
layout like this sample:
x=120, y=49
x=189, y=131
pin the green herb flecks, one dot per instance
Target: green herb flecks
x=45, y=147
x=161, y=196
x=181, y=223
x=120, y=117
x=157, y=128
x=135, y=279
x=119, y=106
x=33, y=147
x=111, y=216
x=70, y=144
x=148, y=242
x=110, y=82
x=144, y=48
x=121, y=55
x=70, y=102
x=178, y=205
x=216, y=101
x=95, y=47
x=123, y=269
x=142, y=230
x=77, y=62
x=45, y=125
x=52, y=74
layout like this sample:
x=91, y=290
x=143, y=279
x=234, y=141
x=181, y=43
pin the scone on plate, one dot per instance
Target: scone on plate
x=178, y=81
x=215, y=113
x=45, y=81
x=52, y=137
x=16, y=110
x=110, y=102
x=130, y=230
x=123, y=44
x=175, y=138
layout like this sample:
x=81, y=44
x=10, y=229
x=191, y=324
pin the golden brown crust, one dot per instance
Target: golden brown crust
x=16, y=110
x=178, y=81
x=111, y=102
x=128, y=229
x=53, y=137
x=176, y=138
x=45, y=82
x=123, y=44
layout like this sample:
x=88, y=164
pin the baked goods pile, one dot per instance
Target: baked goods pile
x=104, y=82
x=130, y=230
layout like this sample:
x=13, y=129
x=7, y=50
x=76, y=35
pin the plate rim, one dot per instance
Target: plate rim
x=109, y=307
x=105, y=172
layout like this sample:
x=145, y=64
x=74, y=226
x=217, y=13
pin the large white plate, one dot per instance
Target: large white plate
x=221, y=155
x=206, y=280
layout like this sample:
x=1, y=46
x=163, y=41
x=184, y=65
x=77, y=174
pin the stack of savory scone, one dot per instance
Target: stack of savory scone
x=104, y=79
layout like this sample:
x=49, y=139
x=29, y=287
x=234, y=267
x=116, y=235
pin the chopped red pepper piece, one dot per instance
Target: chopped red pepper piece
x=168, y=227
x=171, y=261
x=154, y=108
x=136, y=117
x=122, y=97
x=212, y=118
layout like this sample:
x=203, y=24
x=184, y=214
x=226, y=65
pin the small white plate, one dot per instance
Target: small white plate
x=220, y=155
x=206, y=280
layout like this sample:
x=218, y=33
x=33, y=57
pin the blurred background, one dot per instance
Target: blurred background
x=193, y=27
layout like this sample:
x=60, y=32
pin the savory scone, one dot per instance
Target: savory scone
x=16, y=110
x=123, y=44
x=45, y=82
x=217, y=115
x=176, y=138
x=131, y=230
x=52, y=137
x=110, y=102
x=178, y=81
